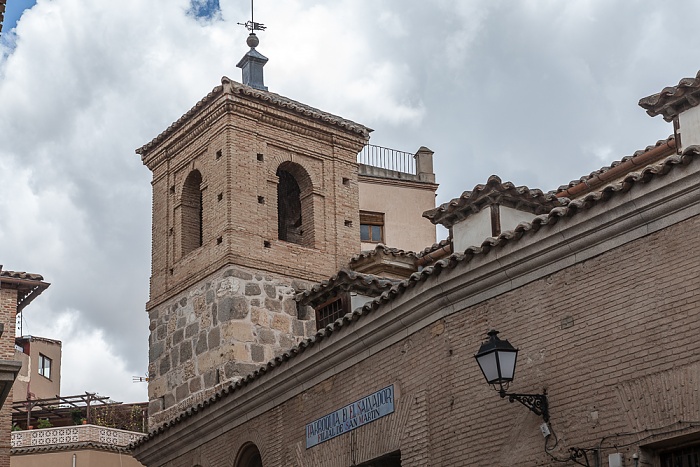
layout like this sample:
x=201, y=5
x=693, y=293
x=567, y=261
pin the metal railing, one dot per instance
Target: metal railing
x=386, y=158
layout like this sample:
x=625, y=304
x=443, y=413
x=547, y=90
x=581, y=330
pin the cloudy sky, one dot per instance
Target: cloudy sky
x=538, y=92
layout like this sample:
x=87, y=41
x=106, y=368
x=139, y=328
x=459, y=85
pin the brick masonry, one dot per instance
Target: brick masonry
x=613, y=340
x=8, y=311
x=221, y=309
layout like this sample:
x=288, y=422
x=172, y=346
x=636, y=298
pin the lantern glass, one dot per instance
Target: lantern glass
x=497, y=359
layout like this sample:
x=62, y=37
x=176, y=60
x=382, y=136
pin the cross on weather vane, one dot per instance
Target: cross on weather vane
x=251, y=25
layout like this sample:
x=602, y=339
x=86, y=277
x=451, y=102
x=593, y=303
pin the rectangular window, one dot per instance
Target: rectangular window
x=331, y=311
x=372, y=227
x=686, y=457
x=44, y=366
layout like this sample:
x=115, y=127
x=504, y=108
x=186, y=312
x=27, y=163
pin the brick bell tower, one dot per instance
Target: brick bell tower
x=254, y=195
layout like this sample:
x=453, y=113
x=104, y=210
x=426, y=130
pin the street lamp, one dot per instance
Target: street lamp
x=497, y=359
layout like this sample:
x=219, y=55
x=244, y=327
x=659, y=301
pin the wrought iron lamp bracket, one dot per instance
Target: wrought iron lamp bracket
x=537, y=403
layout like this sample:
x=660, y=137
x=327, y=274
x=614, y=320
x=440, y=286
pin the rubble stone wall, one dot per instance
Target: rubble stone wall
x=220, y=329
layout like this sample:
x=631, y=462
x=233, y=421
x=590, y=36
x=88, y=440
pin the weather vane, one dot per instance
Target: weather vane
x=251, y=25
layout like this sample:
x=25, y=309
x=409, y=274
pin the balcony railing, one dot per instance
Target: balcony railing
x=74, y=434
x=386, y=158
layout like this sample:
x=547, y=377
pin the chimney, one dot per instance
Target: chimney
x=252, y=65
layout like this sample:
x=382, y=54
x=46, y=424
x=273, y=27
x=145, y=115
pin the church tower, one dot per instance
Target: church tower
x=254, y=196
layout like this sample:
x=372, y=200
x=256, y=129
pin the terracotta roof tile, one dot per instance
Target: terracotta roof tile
x=525, y=228
x=673, y=100
x=614, y=164
x=522, y=197
x=435, y=246
x=21, y=275
x=345, y=280
x=382, y=250
x=229, y=86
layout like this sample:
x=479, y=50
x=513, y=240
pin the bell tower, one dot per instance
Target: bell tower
x=254, y=196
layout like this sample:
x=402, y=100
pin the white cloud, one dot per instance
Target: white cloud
x=517, y=89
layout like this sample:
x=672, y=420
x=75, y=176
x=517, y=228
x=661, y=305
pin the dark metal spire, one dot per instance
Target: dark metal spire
x=253, y=62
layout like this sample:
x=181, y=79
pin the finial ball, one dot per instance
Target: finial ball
x=252, y=40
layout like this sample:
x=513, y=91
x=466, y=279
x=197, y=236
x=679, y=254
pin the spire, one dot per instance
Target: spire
x=252, y=65
x=253, y=62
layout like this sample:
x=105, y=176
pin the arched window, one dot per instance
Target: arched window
x=294, y=205
x=249, y=456
x=191, y=212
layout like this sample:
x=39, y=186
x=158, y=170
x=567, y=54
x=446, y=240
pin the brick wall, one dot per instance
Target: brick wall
x=8, y=311
x=221, y=309
x=613, y=339
x=238, y=158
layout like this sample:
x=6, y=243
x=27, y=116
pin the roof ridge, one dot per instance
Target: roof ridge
x=229, y=86
x=612, y=165
x=570, y=209
x=449, y=213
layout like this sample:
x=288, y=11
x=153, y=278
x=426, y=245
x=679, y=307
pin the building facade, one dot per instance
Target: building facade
x=255, y=198
x=596, y=283
x=40, y=376
x=17, y=290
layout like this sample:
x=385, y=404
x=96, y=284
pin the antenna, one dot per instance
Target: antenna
x=251, y=25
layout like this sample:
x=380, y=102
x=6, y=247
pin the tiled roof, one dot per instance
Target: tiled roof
x=435, y=247
x=603, y=170
x=21, y=275
x=229, y=86
x=673, y=100
x=382, y=250
x=343, y=281
x=495, y=191
x=645, y=175
x=29, y=286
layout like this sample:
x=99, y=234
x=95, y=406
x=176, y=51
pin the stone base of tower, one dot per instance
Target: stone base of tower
x=217, y=331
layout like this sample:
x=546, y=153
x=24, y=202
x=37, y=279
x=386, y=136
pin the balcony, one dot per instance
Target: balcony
x=388, y=159
x=69, y=435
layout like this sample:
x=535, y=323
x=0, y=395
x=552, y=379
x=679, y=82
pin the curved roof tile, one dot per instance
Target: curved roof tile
x=21, y=275
x=228, y=86
x=673, y=100
x=451, y=262
x=344, y=280
x=382, y=249
x=533, y=200
x=614, y=164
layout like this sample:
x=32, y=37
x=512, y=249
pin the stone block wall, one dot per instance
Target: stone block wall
x=220, y=329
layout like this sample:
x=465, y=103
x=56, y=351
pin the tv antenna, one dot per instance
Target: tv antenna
x=251, y=25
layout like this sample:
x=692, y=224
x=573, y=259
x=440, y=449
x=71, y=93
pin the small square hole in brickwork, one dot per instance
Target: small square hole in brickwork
x=346, y=181
x=567, y=322
x=172, y=190
x=261, y=199
x=171, y=272
x=267, y=244
x=219, y=240
x=220, y=196
x=171, y=231
x=219, y=153
x=261, y=158
x=348, y=223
